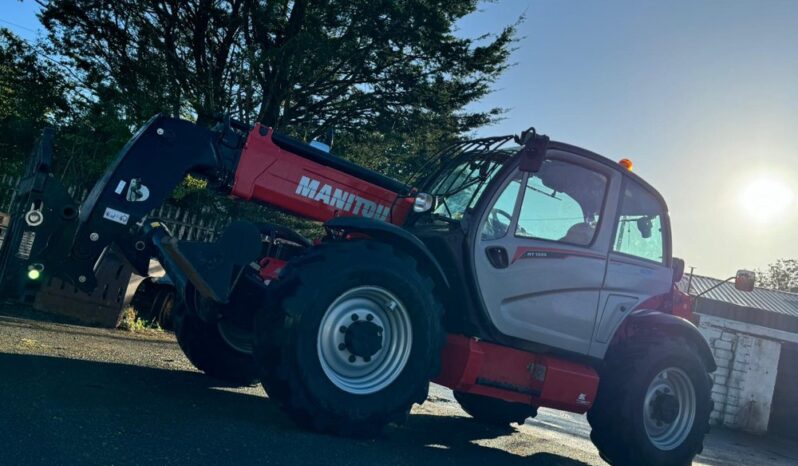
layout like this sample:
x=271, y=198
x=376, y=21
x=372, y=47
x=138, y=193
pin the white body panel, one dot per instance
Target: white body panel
x=567, y=296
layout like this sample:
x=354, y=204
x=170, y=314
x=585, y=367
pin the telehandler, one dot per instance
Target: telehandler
x=518, y=271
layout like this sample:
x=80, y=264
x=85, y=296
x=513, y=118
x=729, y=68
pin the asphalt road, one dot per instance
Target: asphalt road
x=76, y=395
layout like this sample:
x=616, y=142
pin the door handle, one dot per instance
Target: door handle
x=497, y=256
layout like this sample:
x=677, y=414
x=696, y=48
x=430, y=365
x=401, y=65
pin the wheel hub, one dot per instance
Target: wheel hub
x=665, y=408
x=363, y=338
x=669, y=408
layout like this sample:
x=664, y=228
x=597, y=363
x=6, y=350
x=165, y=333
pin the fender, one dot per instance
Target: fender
x=648, y=319
x=392, y=234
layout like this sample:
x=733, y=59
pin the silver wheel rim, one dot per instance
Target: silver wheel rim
x=357, y=374
x=668, y=425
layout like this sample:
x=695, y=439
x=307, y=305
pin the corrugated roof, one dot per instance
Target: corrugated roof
x=779, y=302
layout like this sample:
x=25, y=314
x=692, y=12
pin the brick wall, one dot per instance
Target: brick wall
x=746, y=375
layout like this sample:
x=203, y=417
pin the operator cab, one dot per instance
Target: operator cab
x=551, y=258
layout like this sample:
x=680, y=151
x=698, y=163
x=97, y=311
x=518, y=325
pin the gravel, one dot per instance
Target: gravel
x=78, y=395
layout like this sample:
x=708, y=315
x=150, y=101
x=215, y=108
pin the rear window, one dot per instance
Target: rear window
x=640, y=231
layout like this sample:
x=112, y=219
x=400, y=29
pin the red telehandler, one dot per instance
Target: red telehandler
x=518, y=271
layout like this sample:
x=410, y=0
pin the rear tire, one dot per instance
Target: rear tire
x=204, y=346
x=163, y=306
x=653, y=403
x=325, y=359
x=493, y=410
x=154, y=302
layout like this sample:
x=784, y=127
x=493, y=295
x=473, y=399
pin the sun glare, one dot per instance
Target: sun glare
x=765, y=199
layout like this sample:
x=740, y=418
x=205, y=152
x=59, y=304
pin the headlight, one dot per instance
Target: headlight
x=423, y=202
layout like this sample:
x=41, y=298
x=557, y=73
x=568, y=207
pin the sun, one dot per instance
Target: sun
x=764, y=199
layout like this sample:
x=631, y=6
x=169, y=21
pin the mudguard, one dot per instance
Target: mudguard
x=395, y=236
x=647, y=319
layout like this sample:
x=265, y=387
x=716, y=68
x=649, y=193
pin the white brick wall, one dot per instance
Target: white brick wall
x=746, y=375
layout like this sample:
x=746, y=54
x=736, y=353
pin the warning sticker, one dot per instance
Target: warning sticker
x=120, y=186
x=116, y=216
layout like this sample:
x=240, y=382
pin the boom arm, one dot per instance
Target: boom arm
x=141, y=178
x=250, y=163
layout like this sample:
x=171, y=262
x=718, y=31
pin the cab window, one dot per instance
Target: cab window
x=640, y=224
x=562, y=202
x=501, y=213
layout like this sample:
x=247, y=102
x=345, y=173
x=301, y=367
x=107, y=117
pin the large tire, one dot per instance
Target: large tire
x=204, y=346
x=493, y=410
x=635, y=419
x=154, y=302
x=162, y=307
x=296, y=352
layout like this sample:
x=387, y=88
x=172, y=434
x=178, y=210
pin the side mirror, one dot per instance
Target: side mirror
x=534, y=150
x=644, y=226
x=678, y=269
x=745, y=280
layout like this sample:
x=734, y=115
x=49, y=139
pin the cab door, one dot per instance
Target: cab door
x=639, y=267
x=541, y=250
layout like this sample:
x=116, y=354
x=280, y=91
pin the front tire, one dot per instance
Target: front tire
x=208, y=350
x=358, y=339
x=653, y=403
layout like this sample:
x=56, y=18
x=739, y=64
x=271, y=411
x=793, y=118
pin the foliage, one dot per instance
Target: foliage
x=392, y=78
x=300, y=65
x=781, y=275
x=32, y=96
x=132, y=323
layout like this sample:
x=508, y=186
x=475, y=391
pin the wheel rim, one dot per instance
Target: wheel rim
x=364, y=340
x=669, y=408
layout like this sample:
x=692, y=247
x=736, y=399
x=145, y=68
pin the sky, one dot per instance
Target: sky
x=701, y=95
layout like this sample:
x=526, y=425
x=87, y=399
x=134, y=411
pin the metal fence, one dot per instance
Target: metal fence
x=7, y=185
x=185, y=224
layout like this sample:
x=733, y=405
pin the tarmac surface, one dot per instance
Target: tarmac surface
x=78, y=395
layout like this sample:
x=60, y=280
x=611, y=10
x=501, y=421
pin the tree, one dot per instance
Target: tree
x=781, y=275
x=32, y=96
x=358, y=66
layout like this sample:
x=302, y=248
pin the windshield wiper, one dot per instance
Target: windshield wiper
x=552, y=195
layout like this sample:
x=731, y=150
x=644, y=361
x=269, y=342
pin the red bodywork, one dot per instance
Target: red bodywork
x=483, y=368
x=270, y=268
x=298, y=185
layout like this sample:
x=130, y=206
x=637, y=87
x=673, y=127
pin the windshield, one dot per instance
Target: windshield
x=460, y=184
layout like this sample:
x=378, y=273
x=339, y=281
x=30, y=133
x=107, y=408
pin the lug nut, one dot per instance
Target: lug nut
x=342, y=329
x=352, y=358
x=342, y=346
x=370, y=317
x=366, y=358
x=355, y=317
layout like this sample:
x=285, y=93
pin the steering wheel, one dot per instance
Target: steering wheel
x=494, y=226
x=494, y=213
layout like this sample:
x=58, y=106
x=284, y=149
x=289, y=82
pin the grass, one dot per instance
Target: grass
x=132, y=323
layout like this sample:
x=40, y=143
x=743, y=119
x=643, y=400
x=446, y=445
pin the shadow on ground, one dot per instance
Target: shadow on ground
x=57, y=411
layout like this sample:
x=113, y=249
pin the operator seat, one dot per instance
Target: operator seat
x=581, y=234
